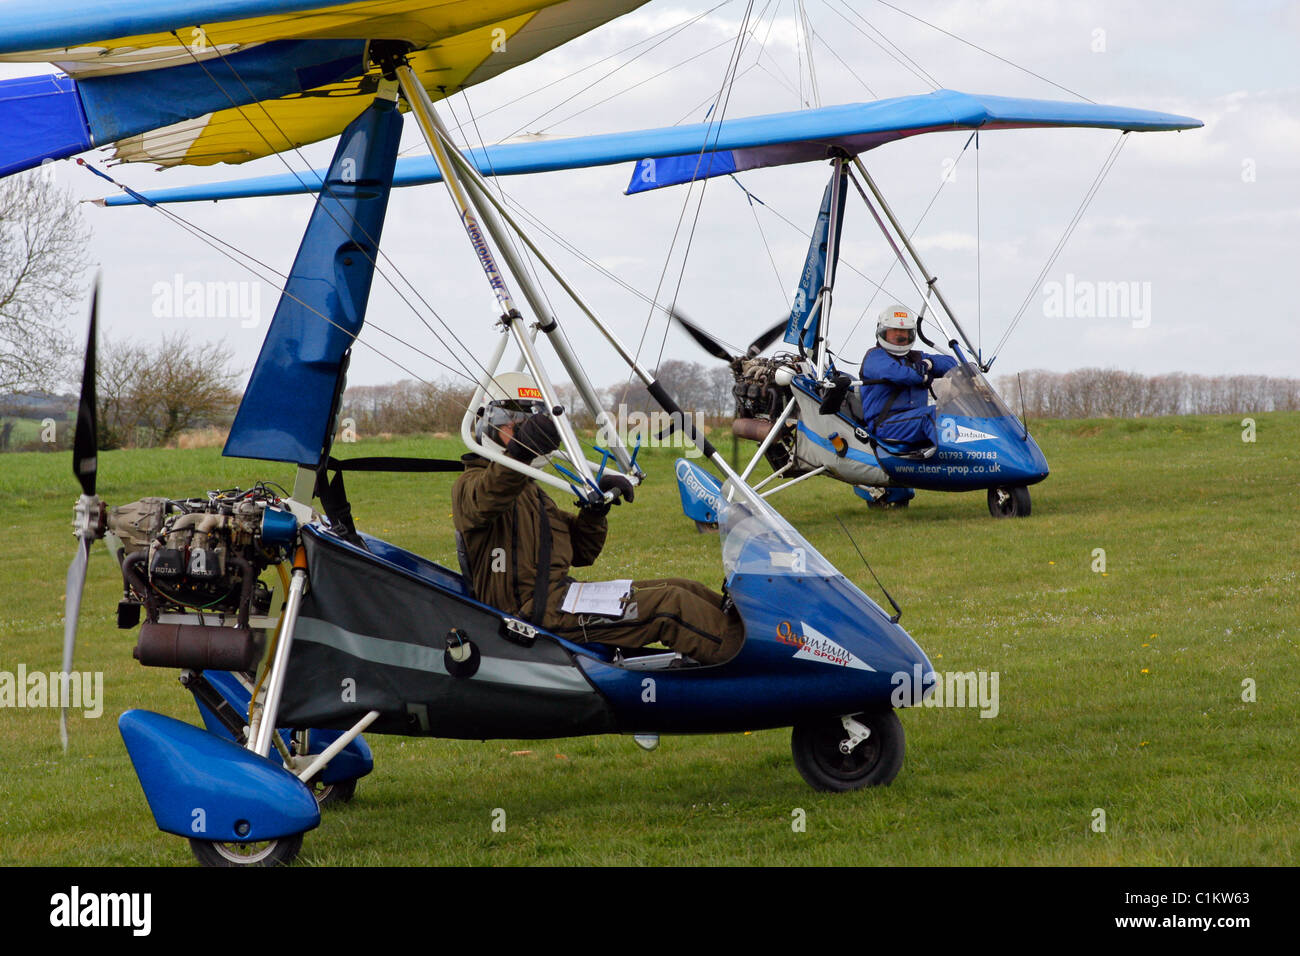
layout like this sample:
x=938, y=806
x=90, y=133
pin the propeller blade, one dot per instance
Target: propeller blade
x=766, y=339
x=85, y=442
x=702, y=338
x=71, y=611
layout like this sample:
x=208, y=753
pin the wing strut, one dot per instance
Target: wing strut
x=466, y=186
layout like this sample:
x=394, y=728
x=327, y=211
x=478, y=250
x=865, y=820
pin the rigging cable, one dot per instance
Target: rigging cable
x=606, y=76
x=1065, y=236
x=704, y=150
x=880, y=287
x=519, y=99
x=1065, y=89
x=372, y=259
x=727, y=85
x=231, y=252
x=912, y=67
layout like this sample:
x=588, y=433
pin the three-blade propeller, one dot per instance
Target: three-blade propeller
x=89, y=521
x=717, y=349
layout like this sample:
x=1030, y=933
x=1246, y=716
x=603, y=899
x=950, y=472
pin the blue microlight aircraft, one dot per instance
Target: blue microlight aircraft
x=367, y=636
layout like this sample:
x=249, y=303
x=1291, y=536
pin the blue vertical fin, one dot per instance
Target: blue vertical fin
x=287, y=410
x=799, y=330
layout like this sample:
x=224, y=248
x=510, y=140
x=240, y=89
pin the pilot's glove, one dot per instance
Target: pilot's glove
x=927, y=367
x=619, y=484
x=616, y=483
x=536, y=436
x=599, y=510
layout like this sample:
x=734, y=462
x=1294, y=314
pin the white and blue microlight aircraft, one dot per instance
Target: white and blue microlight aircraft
x=805, y=413
x=369, y=636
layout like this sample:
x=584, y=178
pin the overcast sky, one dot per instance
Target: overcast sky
x=1202, y=224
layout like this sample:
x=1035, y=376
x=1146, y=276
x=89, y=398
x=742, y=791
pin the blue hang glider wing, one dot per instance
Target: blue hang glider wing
x=198, y=82
x=681, y=153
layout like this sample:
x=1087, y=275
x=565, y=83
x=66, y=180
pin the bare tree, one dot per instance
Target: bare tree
x=42, y=240
x=150, y=393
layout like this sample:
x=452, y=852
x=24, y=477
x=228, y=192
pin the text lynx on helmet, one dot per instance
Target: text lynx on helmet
x=896, y=317
x=512, y=397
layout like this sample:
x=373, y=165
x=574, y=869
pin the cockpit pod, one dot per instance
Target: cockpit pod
x=979, y=436
x=836, y=649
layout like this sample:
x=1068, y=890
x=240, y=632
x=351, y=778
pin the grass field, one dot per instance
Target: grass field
x=1120, y=690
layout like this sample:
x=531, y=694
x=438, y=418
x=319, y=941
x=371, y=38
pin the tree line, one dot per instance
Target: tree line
x=438, y=406
x=1111, y=393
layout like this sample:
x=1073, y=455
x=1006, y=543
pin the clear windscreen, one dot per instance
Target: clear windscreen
x=759, y=541
x=964, y=391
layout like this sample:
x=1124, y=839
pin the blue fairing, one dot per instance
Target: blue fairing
x=965, y=463
x=700, y=492
x=324, y=304
x=979, y=443
x=201, y=786
x=353, y=761
x=815, y=645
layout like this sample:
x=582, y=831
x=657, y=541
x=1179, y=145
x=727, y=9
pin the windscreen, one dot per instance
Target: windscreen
x=964, y=391
x=759, y=541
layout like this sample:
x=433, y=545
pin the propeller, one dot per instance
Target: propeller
x=717, y=349
x=88, y=523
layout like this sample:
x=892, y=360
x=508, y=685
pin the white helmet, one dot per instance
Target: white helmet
x=896, y=317
x=512, y=397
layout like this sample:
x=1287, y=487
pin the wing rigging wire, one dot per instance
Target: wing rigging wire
x=519, y=99
x=372, y=259
x=606, y=76
x=1022, y=69
x=231, y=252
x=912, y=232
x=724, y=96
x=912, y=67
x=1106, y=166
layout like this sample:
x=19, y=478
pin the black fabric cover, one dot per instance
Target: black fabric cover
x=362, y=616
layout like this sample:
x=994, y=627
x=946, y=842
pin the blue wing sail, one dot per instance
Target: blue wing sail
x=683, y=153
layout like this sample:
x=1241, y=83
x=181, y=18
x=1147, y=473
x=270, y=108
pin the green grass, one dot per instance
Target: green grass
x=1120, y=691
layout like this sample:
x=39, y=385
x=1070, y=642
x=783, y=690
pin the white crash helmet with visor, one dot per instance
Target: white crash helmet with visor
x=512, y=398
x=896, y=317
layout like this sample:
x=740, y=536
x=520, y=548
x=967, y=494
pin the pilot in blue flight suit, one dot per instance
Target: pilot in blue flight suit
x=896, y=381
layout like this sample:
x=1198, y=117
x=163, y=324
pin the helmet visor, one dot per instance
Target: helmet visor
x=899, y=337
x=511, y=412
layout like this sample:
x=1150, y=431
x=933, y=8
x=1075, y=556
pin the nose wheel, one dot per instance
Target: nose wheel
x=266, y=853
x=848, y=753
x=1009, y=502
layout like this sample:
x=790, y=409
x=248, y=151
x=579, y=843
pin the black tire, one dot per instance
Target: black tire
x=888, y=505
x=1010, y=502
x=280, y=852
x=874, y=762
x=327, y=794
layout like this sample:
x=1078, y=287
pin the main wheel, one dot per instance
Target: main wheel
x=1010, y=502
x=277, y=852
x=820, y=757
x=341, y=791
